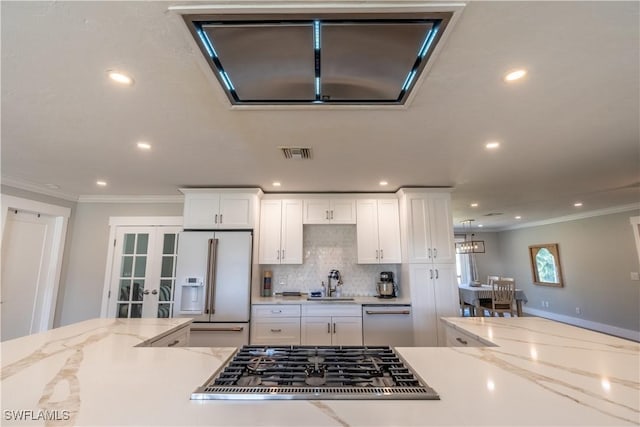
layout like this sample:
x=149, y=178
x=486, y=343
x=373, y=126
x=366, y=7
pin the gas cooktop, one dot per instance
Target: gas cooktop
x=314, y=372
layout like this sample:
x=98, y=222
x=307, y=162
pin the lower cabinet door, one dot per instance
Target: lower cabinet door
x=316, y=330
x=278, y=331
x=346, y=331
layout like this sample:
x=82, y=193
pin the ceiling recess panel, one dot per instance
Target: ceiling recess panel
x=327, y=59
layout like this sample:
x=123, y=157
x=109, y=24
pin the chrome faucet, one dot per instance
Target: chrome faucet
x=333, y=274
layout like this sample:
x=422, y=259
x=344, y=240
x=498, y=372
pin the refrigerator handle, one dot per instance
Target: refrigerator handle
x=210, y=300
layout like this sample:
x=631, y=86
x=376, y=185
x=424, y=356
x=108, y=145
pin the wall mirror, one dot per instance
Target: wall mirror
x=545, y=264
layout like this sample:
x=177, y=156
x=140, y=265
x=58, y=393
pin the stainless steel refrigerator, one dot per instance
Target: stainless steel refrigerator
x=213, y=286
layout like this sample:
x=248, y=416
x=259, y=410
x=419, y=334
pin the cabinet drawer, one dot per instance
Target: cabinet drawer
x=347, y=310
x=275, y=310
x=276, y=331
x=457, y=338
x=179, y=338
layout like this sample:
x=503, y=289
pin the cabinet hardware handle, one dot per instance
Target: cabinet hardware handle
x=173, y=343
x=430, y=274
x=283, y=254
x=381, y=253
x=216, y=220
x=376, y=254
x=429, y=252
x=326, y=214
x=231, y=329
x=388, y=312
x=328, y=328
x=276, y=311
x=461, y=341
x=276, y=330
x=278, y=256
x=435, y=252
x=220, y=218
x=334, y=328
x=331, y=215
x=437, y=274
x=154, y=292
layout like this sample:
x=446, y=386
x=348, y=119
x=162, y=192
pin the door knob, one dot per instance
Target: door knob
x=154, y=292
x=146, y=292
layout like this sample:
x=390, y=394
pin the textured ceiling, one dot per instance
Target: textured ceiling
x=569, y=131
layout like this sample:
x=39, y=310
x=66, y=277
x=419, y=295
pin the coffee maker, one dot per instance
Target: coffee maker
x=386, y=286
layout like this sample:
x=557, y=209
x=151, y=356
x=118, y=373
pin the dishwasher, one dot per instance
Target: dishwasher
x=387, y=324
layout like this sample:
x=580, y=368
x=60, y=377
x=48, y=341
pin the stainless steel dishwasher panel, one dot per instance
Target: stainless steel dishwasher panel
x=387, y=324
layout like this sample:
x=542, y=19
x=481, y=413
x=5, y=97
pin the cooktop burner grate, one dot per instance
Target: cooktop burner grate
x=314, y=372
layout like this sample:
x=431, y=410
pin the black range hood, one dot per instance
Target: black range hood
x=318, y=59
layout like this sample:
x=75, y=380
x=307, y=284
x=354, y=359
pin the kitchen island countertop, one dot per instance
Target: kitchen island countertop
x=539, y=373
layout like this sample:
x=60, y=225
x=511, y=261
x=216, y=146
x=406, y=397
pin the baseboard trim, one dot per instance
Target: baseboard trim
x=587, y=324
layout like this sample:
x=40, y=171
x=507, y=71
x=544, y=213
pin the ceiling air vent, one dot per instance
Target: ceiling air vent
x=296, y=152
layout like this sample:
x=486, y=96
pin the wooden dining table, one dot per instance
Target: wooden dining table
x=473, y=295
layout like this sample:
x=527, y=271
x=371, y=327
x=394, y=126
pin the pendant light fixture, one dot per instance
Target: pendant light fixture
x=469, y=246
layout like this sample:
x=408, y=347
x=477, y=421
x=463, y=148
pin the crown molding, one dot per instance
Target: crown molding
x=574, y=217
x=37, y=188
x=130, y=199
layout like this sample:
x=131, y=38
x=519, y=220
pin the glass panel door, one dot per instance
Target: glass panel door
x=143, y=274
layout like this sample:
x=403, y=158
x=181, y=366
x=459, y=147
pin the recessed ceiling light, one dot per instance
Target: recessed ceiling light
x=101, y=183
x=383, y=183
x=577, y=204
x=276, y=184
x=515, y=75
x=144, y=145
x=120, y=77
x=492, y=145
x=474, y=205
x=518, y=217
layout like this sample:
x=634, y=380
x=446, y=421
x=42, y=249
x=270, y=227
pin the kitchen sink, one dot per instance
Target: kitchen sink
x=330, y=299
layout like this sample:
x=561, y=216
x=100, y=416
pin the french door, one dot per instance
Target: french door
x=143, y=273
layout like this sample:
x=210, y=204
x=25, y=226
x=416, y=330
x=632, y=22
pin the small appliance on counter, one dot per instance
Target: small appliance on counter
x=386, y=286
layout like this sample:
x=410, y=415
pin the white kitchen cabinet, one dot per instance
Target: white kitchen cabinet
x=430, y=228
x=329, y=211
x=378, y=232
x=275, y=325
x=179, y=338
x=210, y=209
x=280, y=232
x=457, y=338
x=434, y=294
x=331, y=325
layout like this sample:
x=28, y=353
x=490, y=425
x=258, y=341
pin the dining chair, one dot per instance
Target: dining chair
x=502, y=297
x=491, y=279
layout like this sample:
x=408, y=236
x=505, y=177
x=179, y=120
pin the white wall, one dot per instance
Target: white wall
x=88, y=254
x=597, y=256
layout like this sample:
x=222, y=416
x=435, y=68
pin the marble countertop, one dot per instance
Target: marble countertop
x=278, y=299
x=539, y=373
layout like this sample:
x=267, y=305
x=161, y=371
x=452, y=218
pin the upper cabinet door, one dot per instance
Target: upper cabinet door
x=270, y=229
x=389, y=231
x=441, y=229
x=367, y=232
x=316, y=211
x=291, y=235
x=325, y=211
x=214, y=210
x=236, y=211
x=201, y=210
x=342, y=211
x=430, y=234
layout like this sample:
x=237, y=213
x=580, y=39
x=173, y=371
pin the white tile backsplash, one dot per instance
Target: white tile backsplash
x=326, y=248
